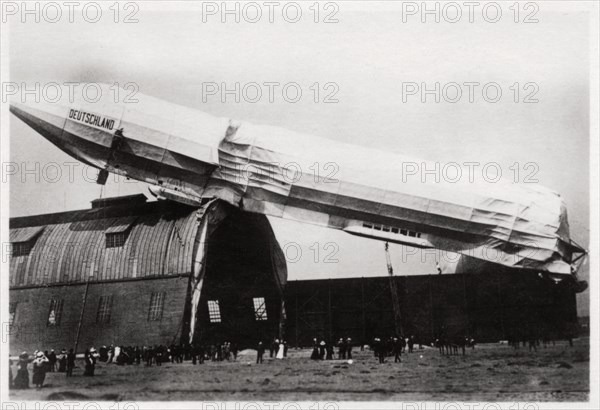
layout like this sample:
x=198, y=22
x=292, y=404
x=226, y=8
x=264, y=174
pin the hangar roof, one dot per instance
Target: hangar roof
x=113, y=240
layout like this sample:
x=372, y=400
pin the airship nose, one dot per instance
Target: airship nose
x=46, y=118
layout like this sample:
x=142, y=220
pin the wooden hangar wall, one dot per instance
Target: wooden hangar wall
x=124, y=272
x=490, y=306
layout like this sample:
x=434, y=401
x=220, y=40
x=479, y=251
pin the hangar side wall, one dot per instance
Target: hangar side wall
x=489, y=307
x=129, y=322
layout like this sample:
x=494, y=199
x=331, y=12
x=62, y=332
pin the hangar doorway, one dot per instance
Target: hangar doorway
x=241, y=281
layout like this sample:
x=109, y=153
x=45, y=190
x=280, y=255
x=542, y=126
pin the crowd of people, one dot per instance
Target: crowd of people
x=42, y=362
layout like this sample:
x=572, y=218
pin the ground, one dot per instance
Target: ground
x=490, y=372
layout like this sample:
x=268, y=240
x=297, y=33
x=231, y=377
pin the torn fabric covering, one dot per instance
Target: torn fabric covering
x=270, y=171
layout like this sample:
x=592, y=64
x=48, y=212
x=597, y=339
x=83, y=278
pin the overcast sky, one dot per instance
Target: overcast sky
x=368, y=55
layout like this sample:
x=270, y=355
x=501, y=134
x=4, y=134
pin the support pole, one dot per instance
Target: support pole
x=87, y=286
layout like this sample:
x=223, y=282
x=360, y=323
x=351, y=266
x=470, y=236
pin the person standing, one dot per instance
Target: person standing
x=62, y=361
x=349, y=348
x=315, y=352
x=22, y=379
x=260, y=351
x=280, y=351
x=90, y=362
x=322, y=350
x=397, y=349
x=235, y=350
x=70, y=363
x=329, y=349
x=40, y=365
x=52, y=360
x=411, y=343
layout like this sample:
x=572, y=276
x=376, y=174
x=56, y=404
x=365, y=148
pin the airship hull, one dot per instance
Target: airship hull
x=190, y=155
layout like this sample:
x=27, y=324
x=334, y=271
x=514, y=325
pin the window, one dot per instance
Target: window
x=12, y=313
x=116, y=240
x=21, y=248
x=104, y=309
x=157, y=303
x=214, y=311
x=260, y=309
x=55, y=314
x=392, y=229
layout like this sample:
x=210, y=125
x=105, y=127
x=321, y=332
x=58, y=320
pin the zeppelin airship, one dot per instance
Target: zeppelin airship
x=190, y=156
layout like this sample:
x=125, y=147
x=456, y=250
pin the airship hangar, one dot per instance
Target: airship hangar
x=128, y=271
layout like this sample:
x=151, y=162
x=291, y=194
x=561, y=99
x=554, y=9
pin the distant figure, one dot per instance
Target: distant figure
x=322, y=350
x=260, y=351
x=380, y=350
x=22, y=379
x=280, y=351
x=411, y=343
x=90, y=362
x=117, y=354
x=329, y=349
x=285, y=348
x=315, y=352
x=397, y=350
x=349, y=348
x=62, y=361
x=70, y=363
x=103, y=354
x=40, y=365
x=341, y=349
x=52, y=360
x=273, y=347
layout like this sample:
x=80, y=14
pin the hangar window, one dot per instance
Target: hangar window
x=23, y=239
x=157, y=303
x=104, y=309
x=55, y=313
x=21, y=248
x=116, y=234
x=214, y=311
x=116, y=240
x=260, y=309
x=12, y=313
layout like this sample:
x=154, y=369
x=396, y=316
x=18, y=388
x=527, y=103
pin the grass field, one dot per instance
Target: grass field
x=490, y=372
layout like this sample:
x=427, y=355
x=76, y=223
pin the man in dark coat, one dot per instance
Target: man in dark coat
x=52, y=360
x=349, y=348
x=260, y=351
x=330, y=352
x=70, y=363
x=90, y=362
x=62, y=361
x=397, y=350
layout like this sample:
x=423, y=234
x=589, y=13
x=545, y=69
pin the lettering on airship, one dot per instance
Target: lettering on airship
x=93, y=120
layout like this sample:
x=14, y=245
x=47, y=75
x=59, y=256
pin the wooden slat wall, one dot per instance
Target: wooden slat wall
x=66, y=252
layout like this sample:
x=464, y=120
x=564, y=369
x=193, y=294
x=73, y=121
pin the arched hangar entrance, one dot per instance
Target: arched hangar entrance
x=238, y=279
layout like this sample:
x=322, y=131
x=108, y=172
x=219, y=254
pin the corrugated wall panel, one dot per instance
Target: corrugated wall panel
x=74, y=244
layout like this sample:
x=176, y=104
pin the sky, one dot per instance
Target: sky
x=362, y=64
